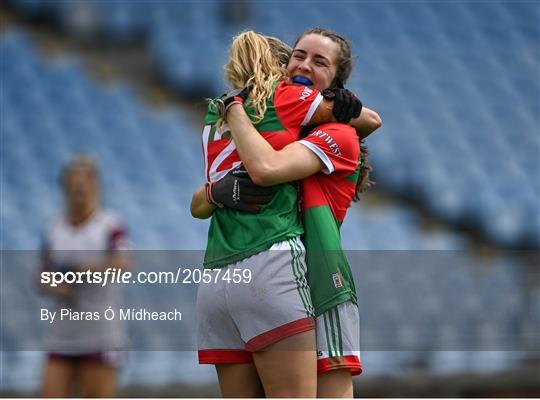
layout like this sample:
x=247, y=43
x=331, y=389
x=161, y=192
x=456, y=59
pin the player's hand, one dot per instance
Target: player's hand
x=237, y=191
x=236, y=96
x=346, y=105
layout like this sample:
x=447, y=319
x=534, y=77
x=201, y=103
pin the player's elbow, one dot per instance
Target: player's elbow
x=199, y=212
x=372, y=122
x=375, y=120
x=262, y=174
x=193, y=209
x=261, y=179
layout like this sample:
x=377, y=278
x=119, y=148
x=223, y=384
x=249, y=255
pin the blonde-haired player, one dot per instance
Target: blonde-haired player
x=84, y=353
x=234, y=326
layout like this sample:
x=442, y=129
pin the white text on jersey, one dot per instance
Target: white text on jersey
x=332, y=145
x=306, y=93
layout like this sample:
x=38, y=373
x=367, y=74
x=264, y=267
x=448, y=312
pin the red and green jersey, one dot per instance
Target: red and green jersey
x=326, y=198
x=235, y=235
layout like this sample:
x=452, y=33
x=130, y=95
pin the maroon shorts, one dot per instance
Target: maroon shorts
x=111, y=358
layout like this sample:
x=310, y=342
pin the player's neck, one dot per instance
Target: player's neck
x=78, y=215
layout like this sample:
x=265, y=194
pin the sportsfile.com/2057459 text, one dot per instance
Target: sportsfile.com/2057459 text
x=117, y=275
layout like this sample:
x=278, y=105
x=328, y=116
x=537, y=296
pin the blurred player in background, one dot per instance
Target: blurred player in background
x=84, y=354
x=240, y=75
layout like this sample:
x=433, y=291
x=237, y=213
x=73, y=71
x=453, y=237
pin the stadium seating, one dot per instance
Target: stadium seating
x=442, y=76
x=110, y=123
x=483, y=301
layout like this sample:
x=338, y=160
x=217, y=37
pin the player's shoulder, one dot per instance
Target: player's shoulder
x=289, y=89
x=115, y=230
x=336, y=130
x=339, y=138
x=107, y=216
x=211, y=112
x=282, y=84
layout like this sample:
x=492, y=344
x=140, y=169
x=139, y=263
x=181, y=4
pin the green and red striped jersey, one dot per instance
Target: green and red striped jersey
x=235, y=235
x=326, y=197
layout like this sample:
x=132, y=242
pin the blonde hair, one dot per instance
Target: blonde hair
x=79, y=162
x=258, y=61
x=281, y=50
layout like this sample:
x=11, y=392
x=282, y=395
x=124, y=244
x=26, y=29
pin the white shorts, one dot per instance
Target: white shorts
x=236, y=319
x=338, y=339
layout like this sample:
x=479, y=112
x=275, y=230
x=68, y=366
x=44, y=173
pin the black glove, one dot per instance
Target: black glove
x=236, y=96
x=237, y=191
x=346, y=105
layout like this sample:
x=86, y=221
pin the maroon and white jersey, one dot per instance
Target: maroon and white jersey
x=66, y=245
x=102, y=231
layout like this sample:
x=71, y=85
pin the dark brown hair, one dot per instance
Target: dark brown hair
x=363, y=183
x=343, y=71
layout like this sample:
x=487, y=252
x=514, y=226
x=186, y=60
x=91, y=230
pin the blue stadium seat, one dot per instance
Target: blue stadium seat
x=490, y=54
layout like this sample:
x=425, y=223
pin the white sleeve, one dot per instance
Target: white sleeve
x=312, y=109
x=328, y=166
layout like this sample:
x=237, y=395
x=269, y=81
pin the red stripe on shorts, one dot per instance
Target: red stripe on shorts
x=331, y=363
x=265, y=339
x=225, y=357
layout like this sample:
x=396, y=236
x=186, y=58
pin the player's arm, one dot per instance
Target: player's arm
x=60, y=290
x=200, y=207
x=294, y=105
x=115, y=259
x=235, y=190
x=119, y=259
x=117, y=255
x=366, y=123
x=266, y=166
